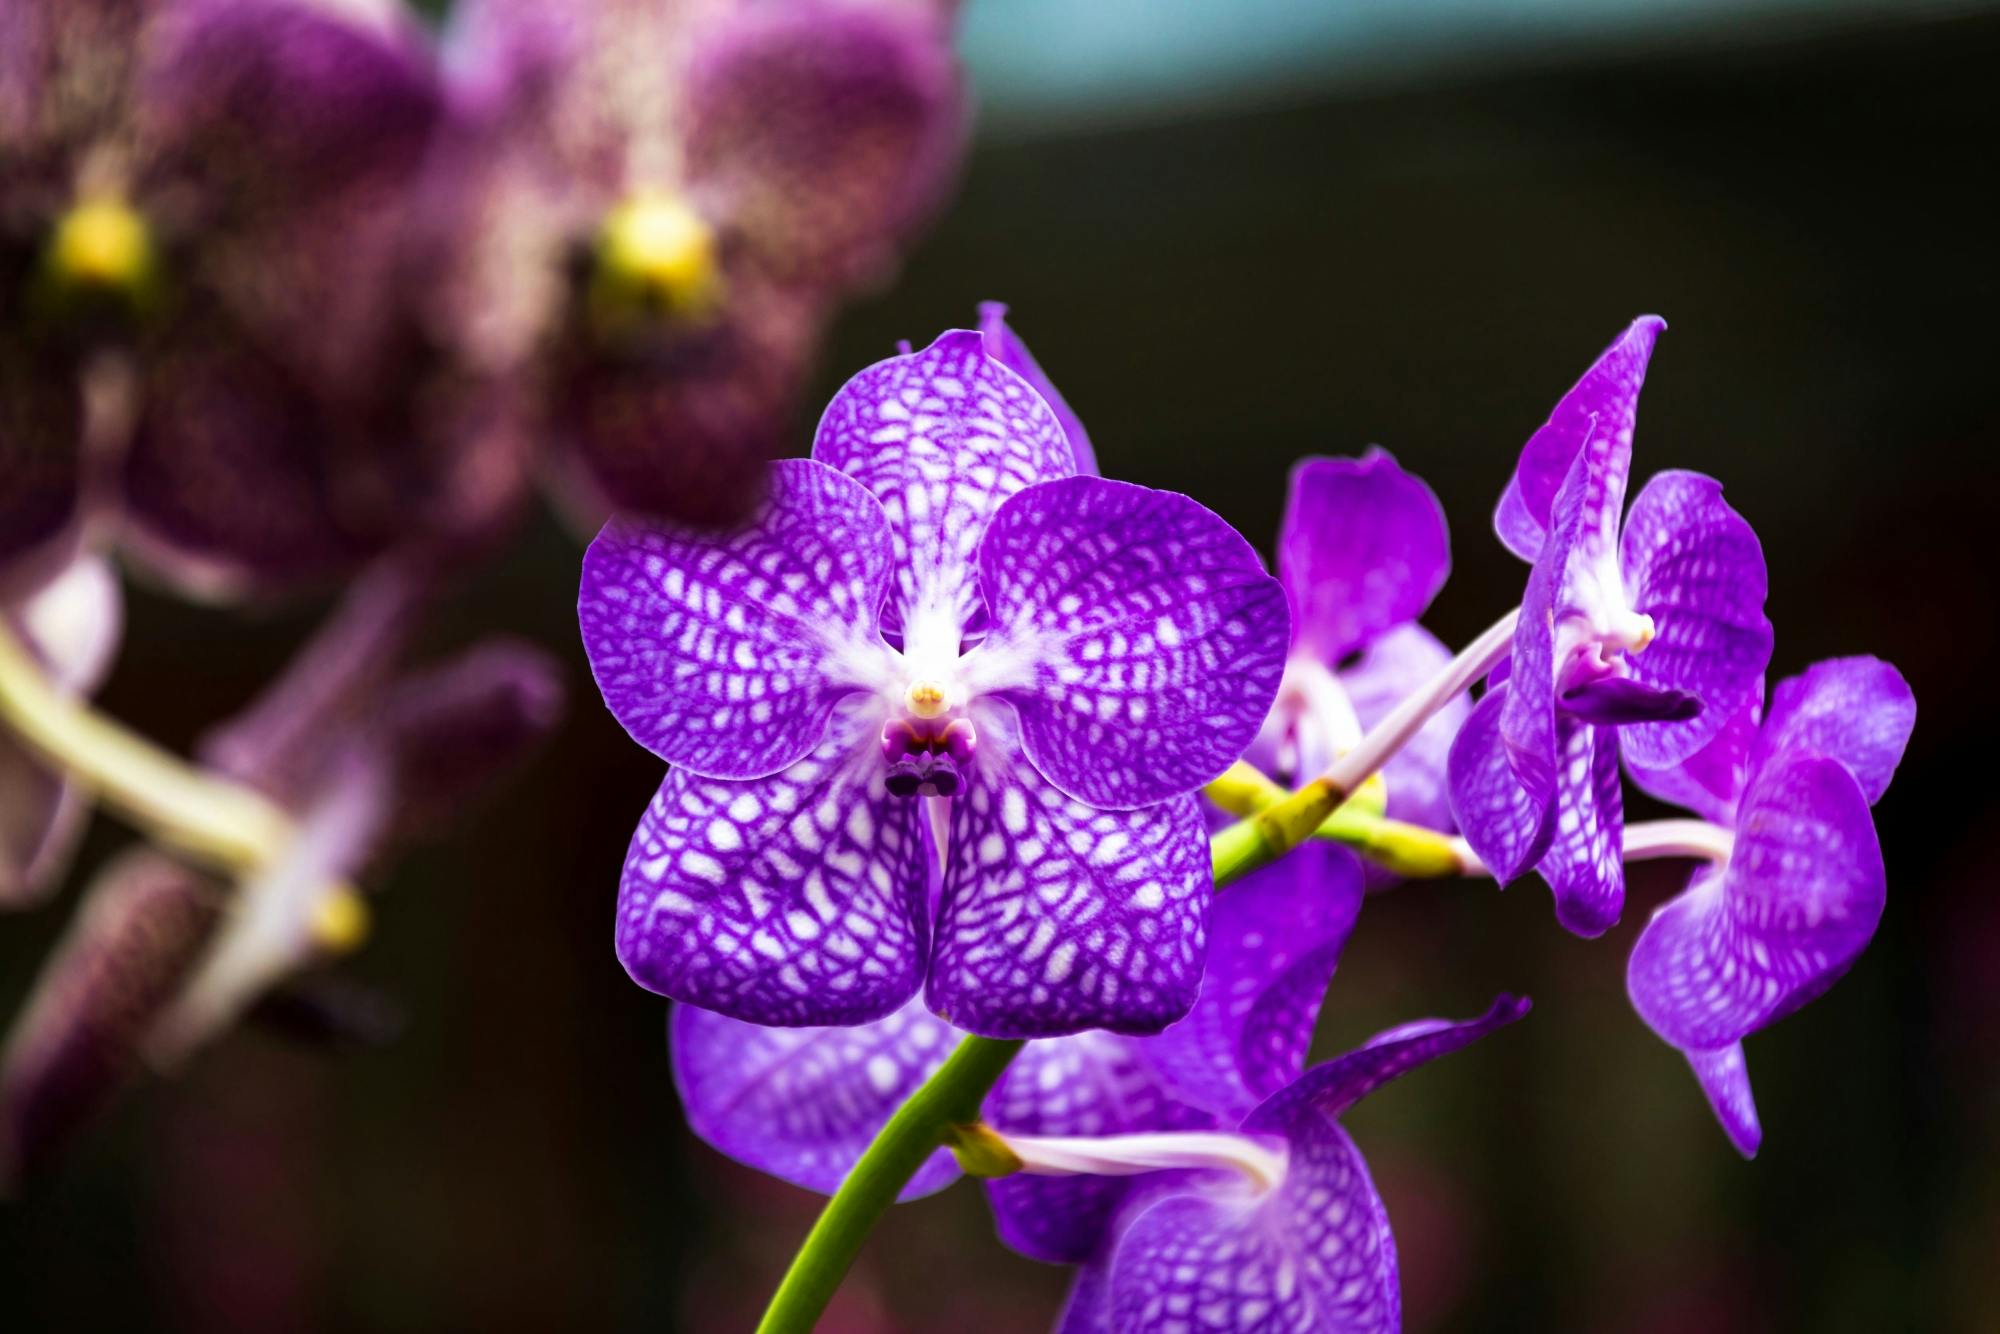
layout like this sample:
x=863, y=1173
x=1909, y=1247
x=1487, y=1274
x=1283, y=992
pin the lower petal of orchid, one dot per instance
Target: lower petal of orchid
x=1274, y=941
x=794, y=900
x=41, y=451
x=726, y=652
x=803, y=1103
x=1855, y=710
x=1695, y=566
x=1798, y=900
x=1508, y=828
x=41, y=818
x=1059, y=917
x=1091, y=1084
x=1389, y=668
x=1709, y=781
x=1135, y=632
x=1725, y=1080
x=1585, y=864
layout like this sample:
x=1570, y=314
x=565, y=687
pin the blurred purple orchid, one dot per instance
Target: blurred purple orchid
x=934, y=646
x=203, y=329
x=1650, y=641
x=647, y=212
x=1798, y=893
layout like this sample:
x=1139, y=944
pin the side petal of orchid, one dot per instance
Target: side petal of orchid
x=1695, y=566
x=1797, y=902
x=1135, y=633
x=1005, y=346
x=1507, y=827
x=795, y=900
x=1604, y=403
x=1059, y=917
x=1725, y=1081
x=1274, y=941
x=941, y=437
x=727, y=652
x=803, y=1103
x=1709, y=781
x=1363, y=547
x=823, y=132
x=1856, y=710
x=41, y=451
x=1585, y=864
x=1389, y=668
x=1091, y=1084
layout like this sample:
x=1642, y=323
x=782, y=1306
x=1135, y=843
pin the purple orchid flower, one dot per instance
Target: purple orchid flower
x=205, y=338
x=1802, y=886
x=1362, y=551
x=1645, y=642
x=649, y=211
x=935, y=644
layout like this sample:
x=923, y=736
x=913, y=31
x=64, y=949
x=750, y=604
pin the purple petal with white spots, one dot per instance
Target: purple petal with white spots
x=1725, y=1081
x=1604, y=406
x=1585, y=864
x=941, y=437
x=1006, y=347
x=1858, y=711
x=1506, y=826
x=1797, y=902
x=1695, y=567
x=1709, y=781
x=1135, y=633
x=1363, y=547
x=1316, y=1254
x=803, y=1103
x=727, y=652
x=1388, y=669
x=796, y=899
x=1274, y=940
x=1059, y=917
x=1090, y=1084
x=1087, y=1309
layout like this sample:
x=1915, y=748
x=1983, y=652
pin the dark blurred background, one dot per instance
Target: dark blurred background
x=1421, y=255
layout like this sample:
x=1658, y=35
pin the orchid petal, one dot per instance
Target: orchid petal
x=1059, y=917
x=1509, y=829
x=1135, y=633
x=41, y=449
x=727, y=652
x=1709, y=781
x=1858, y=711
x=803, y=1104
x=1619, y=701
x=1389, y=668
x=1005, y=346
x=1363, y=547
x=1585, y=864
x=1695, y=567
x=795, y=899
x=1725, y=1081
x=941, y=437
x=1602, y=406
x=1797, y=902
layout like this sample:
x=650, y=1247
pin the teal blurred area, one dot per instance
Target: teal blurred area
x=1278, y=258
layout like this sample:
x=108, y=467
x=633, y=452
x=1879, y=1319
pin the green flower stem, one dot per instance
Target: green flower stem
x=948, y=1098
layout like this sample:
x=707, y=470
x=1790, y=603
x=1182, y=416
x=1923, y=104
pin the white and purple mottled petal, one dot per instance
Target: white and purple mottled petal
x=1005, y=346
x=1855, y=710
x=1709, y=781
x=796, y=899
x=1135, y=633
x=941, y=437
x=1695, y=566
x=1603, y=404
x=727, y=652
x=1508, y=829
x=1725, y=1081
x=1797, y=902
x=1274, y=941
x=1585, y=864
x=1059, y=917
x=1363, y=547
x=1090, y=1084
x=1388, y=669
x=803, y=1103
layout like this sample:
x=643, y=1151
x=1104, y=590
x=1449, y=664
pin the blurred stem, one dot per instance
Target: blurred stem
x=225, y=826
x=948, y=1098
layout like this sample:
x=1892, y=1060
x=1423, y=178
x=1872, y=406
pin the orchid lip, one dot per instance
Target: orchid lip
x=924, y=755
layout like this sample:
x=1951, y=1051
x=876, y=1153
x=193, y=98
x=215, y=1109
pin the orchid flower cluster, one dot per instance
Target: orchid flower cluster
x=299, y=295
x=950, y=722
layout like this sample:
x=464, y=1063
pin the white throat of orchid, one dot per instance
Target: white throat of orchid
x=1259, y=1162
x=1311, y=723
x=1591, y=645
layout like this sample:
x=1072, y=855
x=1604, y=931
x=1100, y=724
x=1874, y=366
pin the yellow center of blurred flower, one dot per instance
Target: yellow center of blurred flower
x=655, y=256
x=340, y=921
x=102, y=245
